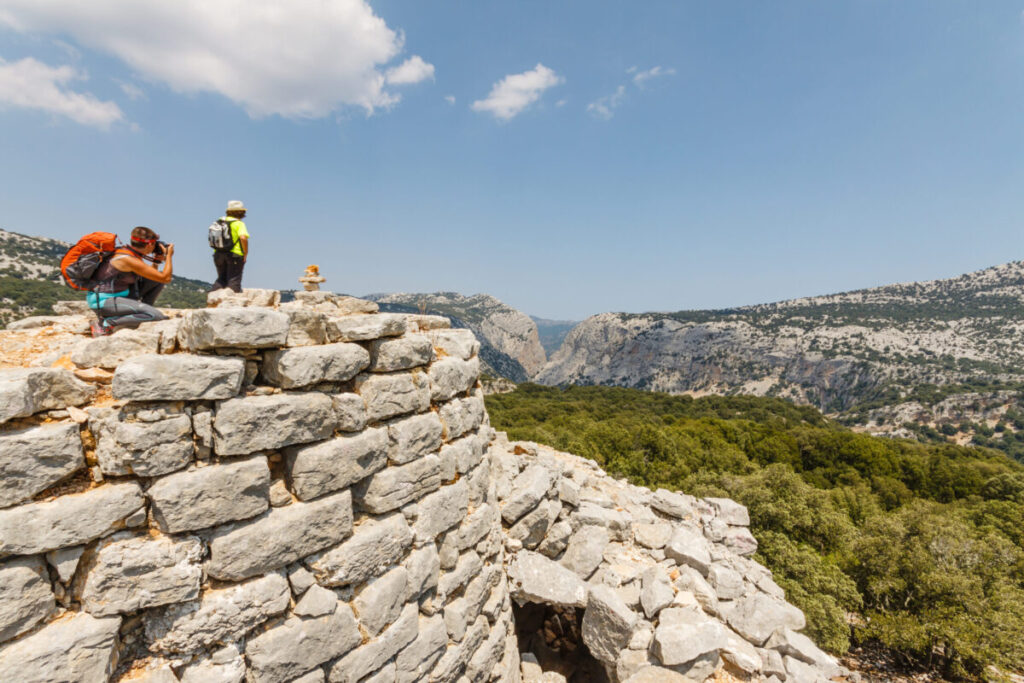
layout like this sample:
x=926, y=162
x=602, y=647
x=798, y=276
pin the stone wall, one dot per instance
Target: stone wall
x=311, y=491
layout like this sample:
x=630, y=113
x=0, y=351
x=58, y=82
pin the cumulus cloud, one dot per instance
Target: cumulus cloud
x=641, y=77
x=300, y=59
x=29, y=84
x=603, y=107
x=412, y=70
x=514, y=93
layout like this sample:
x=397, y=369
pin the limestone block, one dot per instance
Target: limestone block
x=441, y=510
x=468, y=566
x=569, y=492
x=375, y=545
x=487, y=656
x=372, y=655
x=688, y=547
x=631, y=661
x=789, y=643
x=678, y=505
x=349, y=305
x=294, y=647
x=34, y=459
x=300, y=578
x=730, y=512
x=728, y=583
x=607, y=624
x=245, y=425
x=227, y=298
x=800, y=672
x=34, y=322
x=279, y=536
x=178, y=377
x=556, y=539
x=693, y=581
x=318, y=676
x=618, y=523
x=413, y=437
x=306, y=327
x=144, y=448
x=535, y=578
x=452, y=376
x=462, y=416
x=656, y=591
x=381, y=600
x=317, y=601
x=455, y=659
x=109, y=352
x=528, y=489
x=219, y=615
x=739, y=540
x=321, y=468
x=250, y=328
x=531, y=527
x=460, y=343
x=78, y=647
x=26, y=391
x=364, y=327
x=393, y=394
x=424, y=323
x=349, y=412
x=457, y=619
x=403, y=353
x=416, y=660
x=65, y=561
x=479, y=482
x=25, y=595
x=586, y=550
x=226, y=665
x=307, y=365
x=772, y=664
x=467, y=453
x=657, y=674
x=393, y=487
x=683, y=635
x=69, y=520
x=212, y=495
x=477, y=525
x=125, y=573
x=741, y=654
x=652, y=534
x=757, y=616
x=279, y=493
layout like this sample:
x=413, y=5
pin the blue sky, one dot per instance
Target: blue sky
x=567, y=157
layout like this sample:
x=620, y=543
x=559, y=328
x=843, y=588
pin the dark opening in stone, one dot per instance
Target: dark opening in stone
x=554, y=635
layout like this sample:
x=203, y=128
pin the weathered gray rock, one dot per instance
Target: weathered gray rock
x=416, y=660
x=76, y=648
x=798, y=671
x=306, y=327
x=688, y=547
x=789, y=643
x=350, y=305
x=585, y=551
x=652, y=534
x=693, y=581
x=455, y=659
x=413, y=437
x=462, y=415
x=393, y=487
x=403, y=353
x=279, y=536
x=393, y=394
x=349, y=412
x=460, y=343
x=316, y=602
x=656, y=591
x=321, y=468
x=306, y=365
x=65, y=561
x=556, y=540
x=125, y=573
x=728, y=583
x=569, y=492
x=424, y=565
x=452, y=376
x=375, y=545
x=34, y=459
x=739, y=540
x=254, y=423
x=532, y=527
x=468, y=566
x=26, y=391
x=226, y=665
x=618, y=522
x=300, y=579
x=381, y=600
x=212, y=495
x=372, y=655
x=528, y=489
x=364, y=327
x=70, y=520
x=678, y=505
x=535, y=578
x=757, y=616
x=109, y=352
x=296, y=646
x=25, y=595
x=467, y=453
x=683, y=636
x=741, y=654
x=144, y=448
x=227, y=298
x=441, y=510
x=607, y=624
x=730, y=512
x=220, y=615
x=251, y=328
x=178, y=377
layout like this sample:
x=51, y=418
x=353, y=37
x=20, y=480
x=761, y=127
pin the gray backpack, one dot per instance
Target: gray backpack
x=219, y=235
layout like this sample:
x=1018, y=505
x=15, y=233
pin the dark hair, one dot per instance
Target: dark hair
x=141, y=236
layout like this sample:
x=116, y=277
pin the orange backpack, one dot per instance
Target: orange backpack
x=83, y=258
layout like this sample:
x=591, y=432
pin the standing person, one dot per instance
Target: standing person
x=231, y=262
x=128, y=286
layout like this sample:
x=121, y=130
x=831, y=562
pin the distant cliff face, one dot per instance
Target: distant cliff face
x=832, y=351
x=509, y=331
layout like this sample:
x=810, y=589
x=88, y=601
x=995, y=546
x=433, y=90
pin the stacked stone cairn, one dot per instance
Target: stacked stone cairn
x=311, y=491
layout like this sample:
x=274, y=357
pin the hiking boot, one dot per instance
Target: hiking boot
x=98, y=329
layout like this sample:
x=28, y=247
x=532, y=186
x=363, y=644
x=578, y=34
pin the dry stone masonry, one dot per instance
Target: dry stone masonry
x=311, y=491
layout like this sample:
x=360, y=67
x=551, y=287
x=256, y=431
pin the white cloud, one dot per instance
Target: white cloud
x=29, y=84
x=602, y=107
x=641, y=77
x=412, y=70
x=450, y=99
x=301, y=59
x=514, y=93
x=133, y=91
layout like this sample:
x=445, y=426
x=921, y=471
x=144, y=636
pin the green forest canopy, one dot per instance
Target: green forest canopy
x=922, y=543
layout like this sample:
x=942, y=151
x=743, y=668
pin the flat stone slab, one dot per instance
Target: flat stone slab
x=209, y=496
x=109, y=352
x=393, y=487
x=607, y=624
x=251, y=328
x=69, y=520
x=332, y=465
x=76, y=647
x=688, y=547
x=757, y=616
x=25, y=595
x=684, y=635
x=375, y=545
x=27, y=391
x=452, y=376
x=178, y=377
x=144, y=448
x=287, y=651
x=403, y=353
x=254, y=423
x=307, y=365
x=279, y=537
x=32, y=460
x=413, y=437
x=364, y=327
x=535, y=578
x=393, y=394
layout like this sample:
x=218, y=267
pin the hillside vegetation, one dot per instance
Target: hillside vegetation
x=917, y=546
